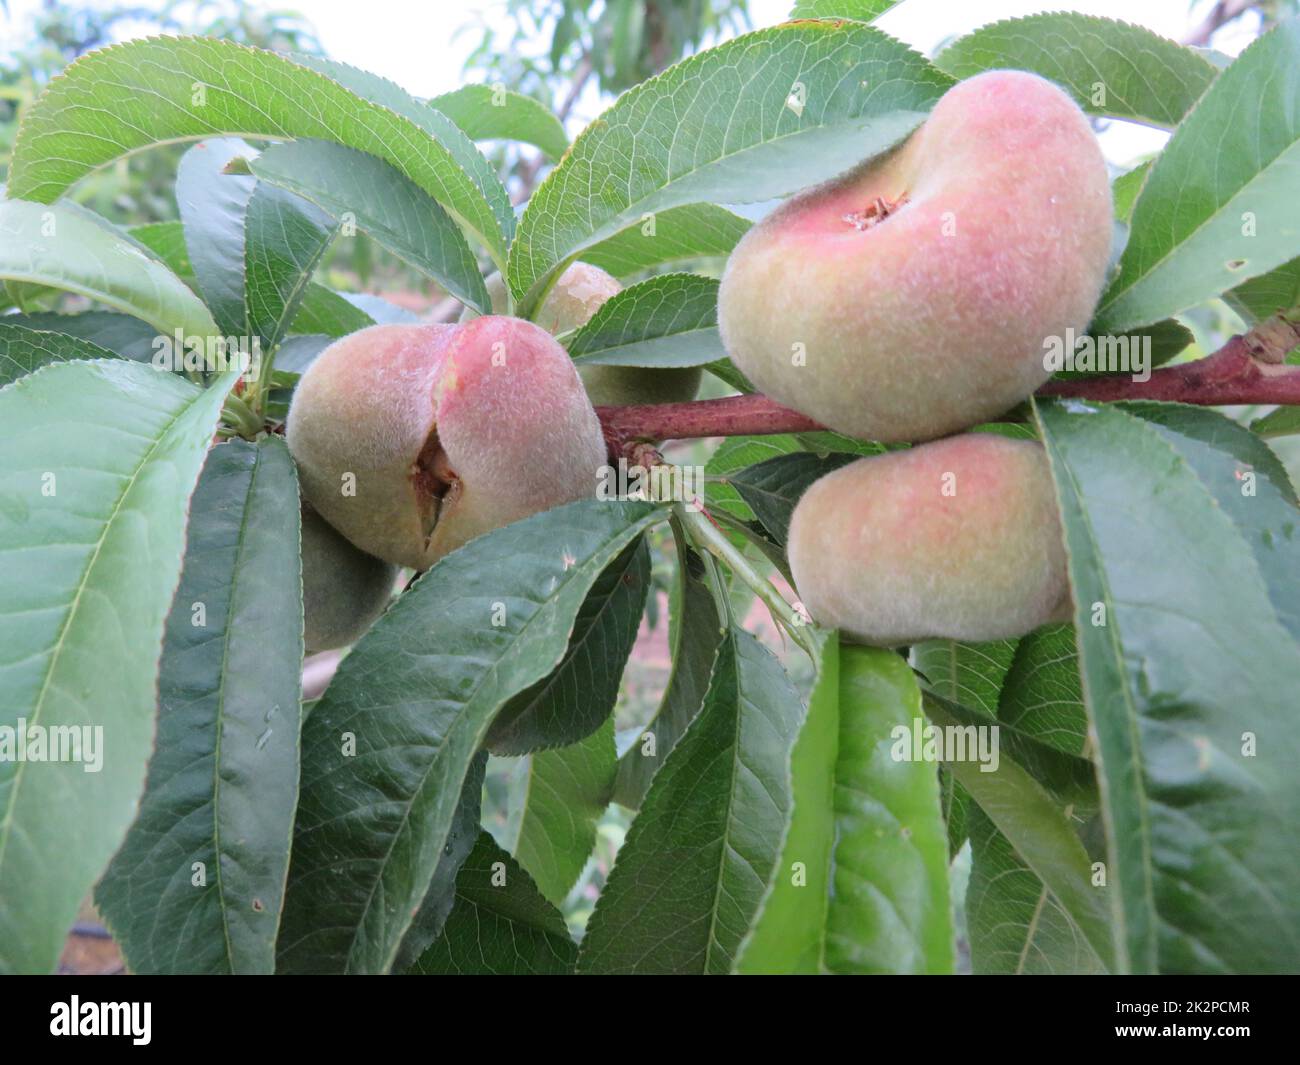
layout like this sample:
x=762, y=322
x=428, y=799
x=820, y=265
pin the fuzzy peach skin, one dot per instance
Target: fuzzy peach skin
x=572, y=302
x=878, y=549
x=995, y=234
x=449, y=430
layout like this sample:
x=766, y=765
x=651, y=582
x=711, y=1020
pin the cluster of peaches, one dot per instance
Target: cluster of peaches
x=906, y=301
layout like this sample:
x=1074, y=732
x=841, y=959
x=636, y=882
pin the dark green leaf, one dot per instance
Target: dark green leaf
x=284, y=238
x=416, y=696
x=579, y=695
x=691, y=873
x=1251, y=485
x=223, y=781
x=213, y=206
x=1016, y=924
x=1036, y=825
x=439, y=899
x=773, y=487
x=696, y=635
x=1042, y=695
x=1276, y=292
x=500, y=924
x=119, y=333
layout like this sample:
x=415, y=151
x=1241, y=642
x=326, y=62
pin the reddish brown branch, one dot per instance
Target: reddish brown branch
x=1246, y=370
x=1236, y=373
x=733, y=416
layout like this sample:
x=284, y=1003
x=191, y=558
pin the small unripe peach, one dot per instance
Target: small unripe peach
x=956, y=539
x=413, y=439
x=343, y=589
x=572, y=302
x=912, y=296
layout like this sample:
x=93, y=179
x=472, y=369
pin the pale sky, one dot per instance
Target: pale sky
x=416, y=44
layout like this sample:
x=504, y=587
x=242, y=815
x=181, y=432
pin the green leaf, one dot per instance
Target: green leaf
x=97, y=463
x=1218, y=205
x=680, y=234
x=123, y=99
x=1035, y=824
x=1250, y=485
x=285, y=238
x=23, y=350
x=485, y=112
x=327, y=312
x=696, y=636
x=667, y=143
x=1126, y=188
x=968, y=673
x=862, y=884
x=737, y=453
x=1285, y=421
x=449, y=136
x=725, y=371
x=863, y=10
x=790, y=931
x=391, y=208
x=1185, y=666
x=772, y=488
x=690, y=875
x=500, y=924
x=1016, y=924
x=576, y=698
x=1067, y=776
x=971, y=674
x=668, y=321
x=213, y=206
x=1042, y=695
x=322, y=310
x=297, y=353
x=119, y=333
x=566, y=795
x=1276, y=292
x=166, y=241
x=431, y=918
x=1111, y=68
x=416, y=696
x=52, y=245
x=223, y=779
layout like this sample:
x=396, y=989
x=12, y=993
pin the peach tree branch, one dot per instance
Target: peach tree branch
x=1248, y=369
